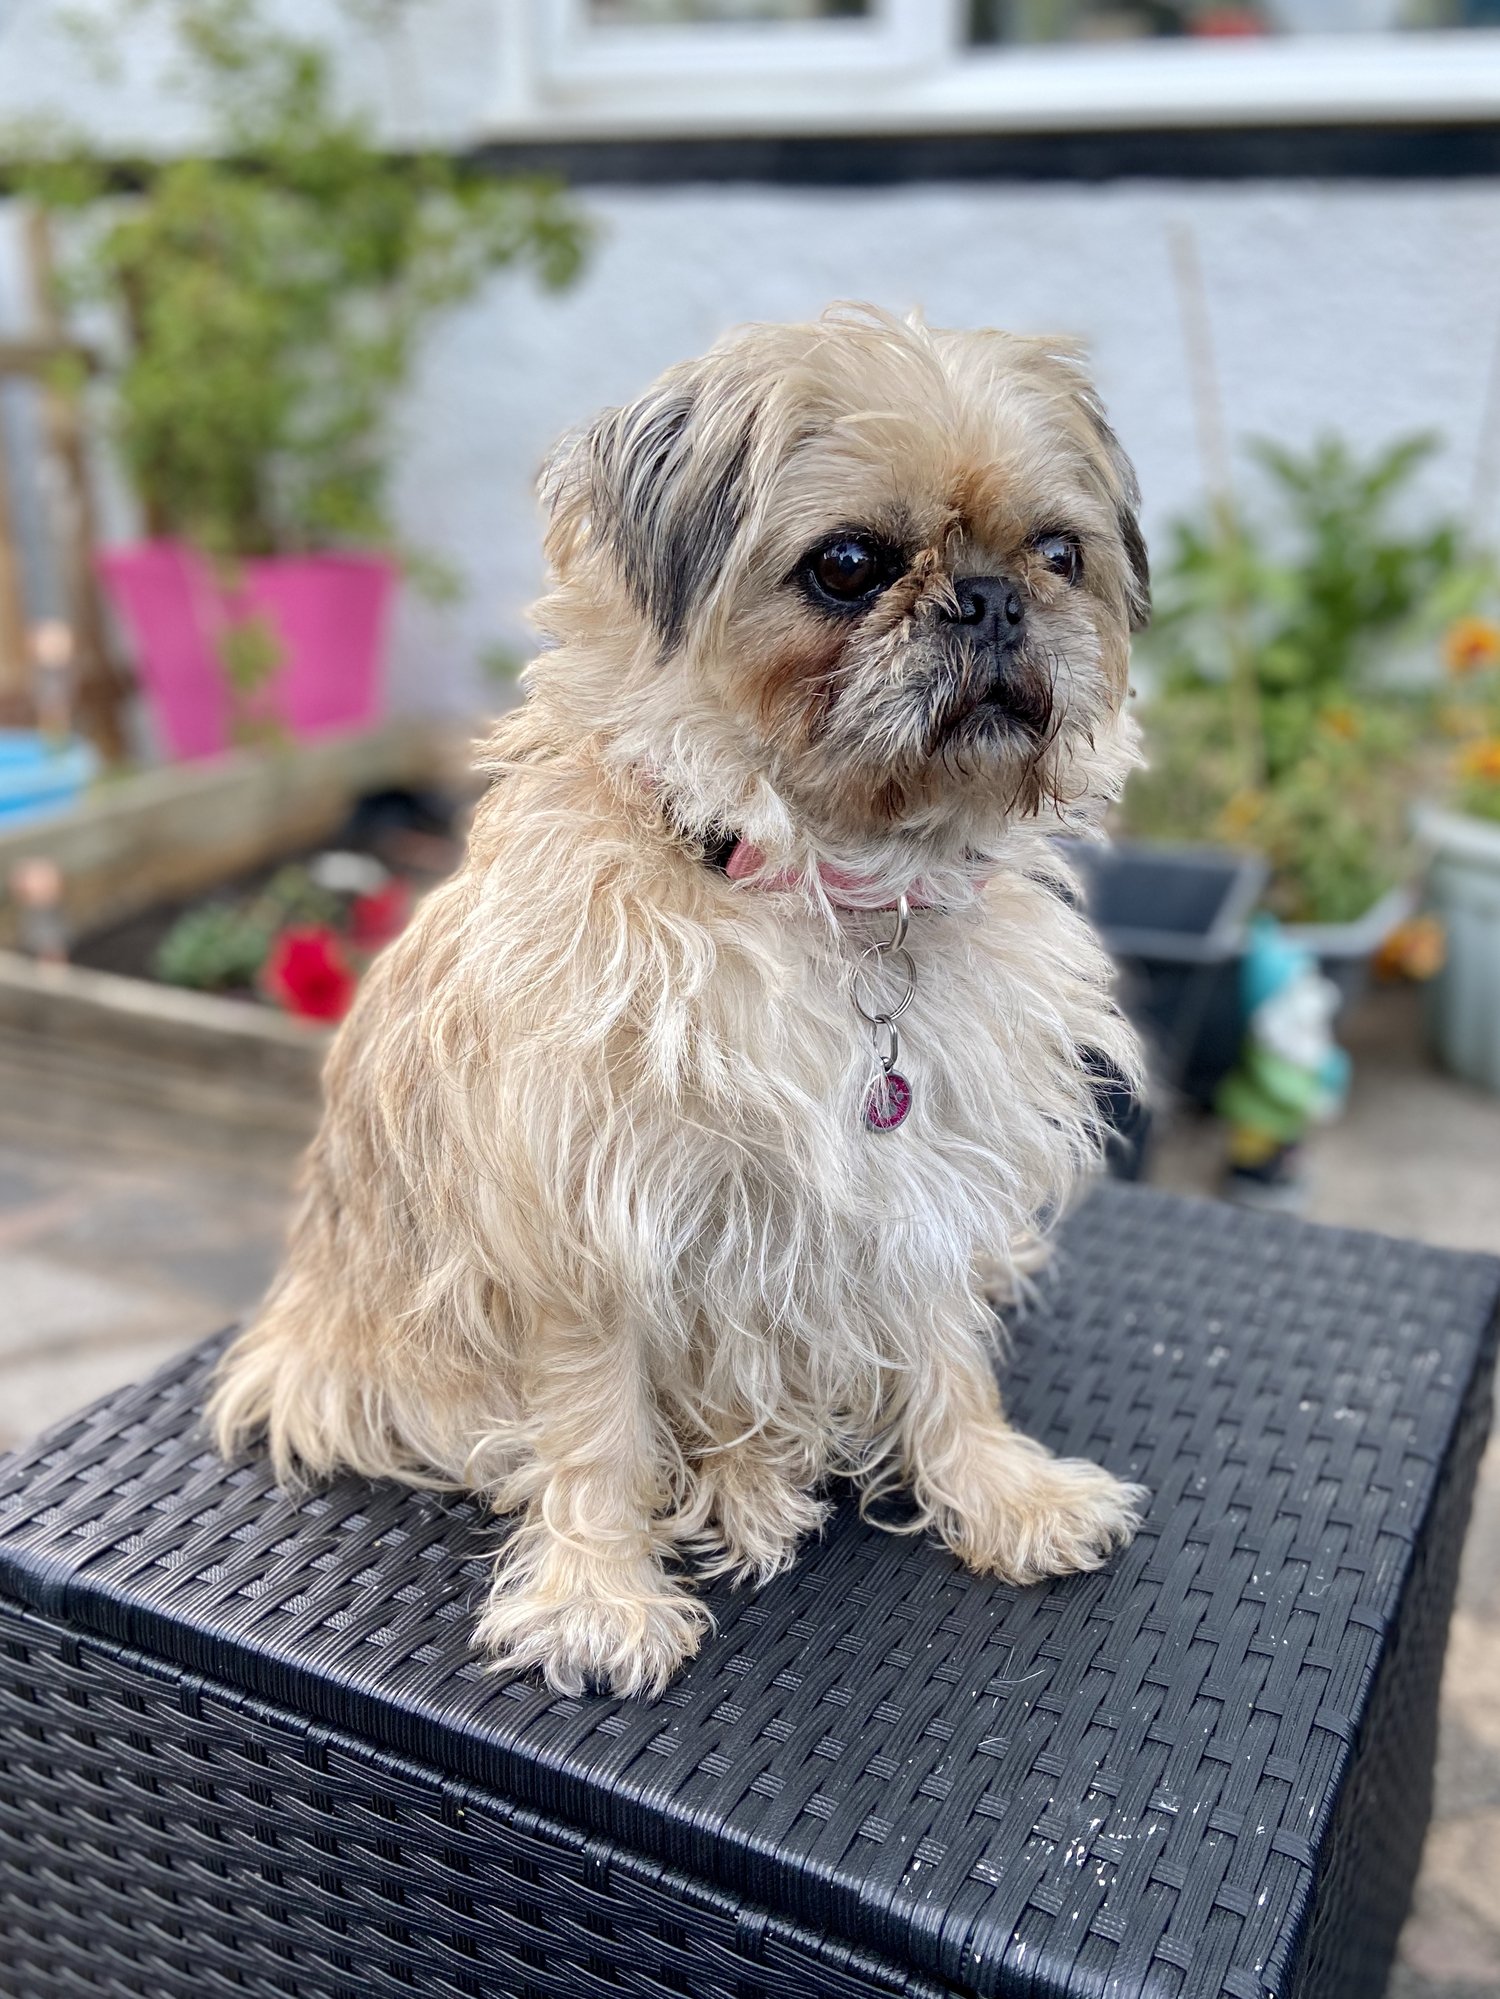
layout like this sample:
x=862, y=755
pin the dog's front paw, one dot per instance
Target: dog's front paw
x=1036, y=1515
x=759, y=1521
x=631, y=1641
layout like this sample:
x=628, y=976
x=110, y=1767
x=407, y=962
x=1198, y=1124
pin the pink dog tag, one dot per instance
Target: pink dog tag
x=888, y=1102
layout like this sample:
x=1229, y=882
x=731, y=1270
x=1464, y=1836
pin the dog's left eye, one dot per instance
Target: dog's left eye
x=850, y=568
x=1061, y=554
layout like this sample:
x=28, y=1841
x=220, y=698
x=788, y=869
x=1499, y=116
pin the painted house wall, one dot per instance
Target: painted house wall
x=1368, y=308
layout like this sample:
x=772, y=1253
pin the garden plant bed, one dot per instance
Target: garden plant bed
x=131, y=948
x=136, y=852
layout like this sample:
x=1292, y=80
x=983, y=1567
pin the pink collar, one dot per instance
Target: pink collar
x=843, y=890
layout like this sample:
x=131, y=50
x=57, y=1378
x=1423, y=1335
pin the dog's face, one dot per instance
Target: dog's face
x=903, y=563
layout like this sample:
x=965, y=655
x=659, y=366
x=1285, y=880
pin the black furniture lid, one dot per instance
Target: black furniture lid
x=1106, y=1777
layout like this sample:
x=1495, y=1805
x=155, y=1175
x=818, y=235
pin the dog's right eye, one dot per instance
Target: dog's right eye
x=850, y=568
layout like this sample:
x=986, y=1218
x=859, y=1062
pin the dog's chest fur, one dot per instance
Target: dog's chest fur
x=846, y=1245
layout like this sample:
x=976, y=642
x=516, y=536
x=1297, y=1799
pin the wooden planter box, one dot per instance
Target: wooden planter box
x=171, y=833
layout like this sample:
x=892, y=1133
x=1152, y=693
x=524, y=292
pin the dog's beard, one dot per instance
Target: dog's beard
x=956, y=725
x=1009, y=705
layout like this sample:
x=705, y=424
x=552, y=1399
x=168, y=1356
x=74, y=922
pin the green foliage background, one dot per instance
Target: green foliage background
x=1275, y=723
x=272, y=289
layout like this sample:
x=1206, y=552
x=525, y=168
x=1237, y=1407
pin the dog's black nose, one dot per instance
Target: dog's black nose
x=992, y=605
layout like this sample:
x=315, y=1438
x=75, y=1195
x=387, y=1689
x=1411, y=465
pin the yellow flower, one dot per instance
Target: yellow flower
x=1482, y=760
x=1341, y=722
x=1240, y=815
x=1471, y=644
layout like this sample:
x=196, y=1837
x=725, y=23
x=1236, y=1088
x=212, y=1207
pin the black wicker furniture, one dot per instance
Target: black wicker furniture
x=247, y=1750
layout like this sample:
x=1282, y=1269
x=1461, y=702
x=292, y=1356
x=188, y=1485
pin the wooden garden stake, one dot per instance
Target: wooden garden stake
x=1213, y=447
x=1486, y=451
x=15, y=688
x=101, y=687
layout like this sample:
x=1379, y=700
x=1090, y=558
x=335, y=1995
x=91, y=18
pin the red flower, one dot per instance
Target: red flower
x=308, y=973
x=376, y=918
x=1229, y=21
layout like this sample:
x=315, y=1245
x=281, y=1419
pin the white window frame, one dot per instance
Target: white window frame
x=579, y=56
x=908, y=69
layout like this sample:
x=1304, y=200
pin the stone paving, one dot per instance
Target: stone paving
x=125, y=1236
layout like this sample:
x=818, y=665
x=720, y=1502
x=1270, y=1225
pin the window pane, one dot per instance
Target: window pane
x=689, y=13
x=1130, y=20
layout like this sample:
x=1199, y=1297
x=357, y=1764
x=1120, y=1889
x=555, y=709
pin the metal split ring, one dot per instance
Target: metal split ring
x=903, y=920
x=885, y=1014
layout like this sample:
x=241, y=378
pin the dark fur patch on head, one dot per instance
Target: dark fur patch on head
x=669, y=502
x=1127, y=517
x=1031, y=697
x=1140, y=566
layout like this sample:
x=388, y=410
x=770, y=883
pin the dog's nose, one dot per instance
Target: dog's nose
x=992, y=605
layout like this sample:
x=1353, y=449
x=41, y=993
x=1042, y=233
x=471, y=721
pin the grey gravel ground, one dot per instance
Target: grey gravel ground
x=124, y=1237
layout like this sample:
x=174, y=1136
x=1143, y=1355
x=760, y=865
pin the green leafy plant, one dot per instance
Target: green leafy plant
x=272, y=287
x=250, y=655
x=214, y=948
x=1276, y=721
x=1479, y=778
x=222, y=946
x=1468, y=715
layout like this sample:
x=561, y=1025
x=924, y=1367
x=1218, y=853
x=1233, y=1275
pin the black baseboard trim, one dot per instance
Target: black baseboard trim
x=1285, y=152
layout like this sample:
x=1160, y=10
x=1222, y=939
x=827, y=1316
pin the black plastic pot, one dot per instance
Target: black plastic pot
x=1174, y=921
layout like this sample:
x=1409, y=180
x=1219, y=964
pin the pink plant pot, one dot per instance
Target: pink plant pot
x=327, y=612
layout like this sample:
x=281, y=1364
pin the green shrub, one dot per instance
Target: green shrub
x=1275, y=721
x=272, y=288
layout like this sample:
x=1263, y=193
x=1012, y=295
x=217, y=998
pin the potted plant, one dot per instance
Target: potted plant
x=270, y=291
x=1281, y=720
x=1463, y=838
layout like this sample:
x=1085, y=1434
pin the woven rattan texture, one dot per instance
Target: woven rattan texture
x=165, y=1837
x=1199, y=1773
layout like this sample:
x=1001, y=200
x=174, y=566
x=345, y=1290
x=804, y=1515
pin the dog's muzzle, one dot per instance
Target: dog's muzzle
x=990, y=614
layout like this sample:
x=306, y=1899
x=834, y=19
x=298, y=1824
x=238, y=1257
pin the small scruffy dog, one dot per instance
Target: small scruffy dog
x=670, y=1153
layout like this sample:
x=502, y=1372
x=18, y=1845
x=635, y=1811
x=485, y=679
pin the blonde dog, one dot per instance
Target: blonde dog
x=669, y=1152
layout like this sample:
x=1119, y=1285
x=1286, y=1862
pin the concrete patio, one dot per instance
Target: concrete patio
x=126, y=1235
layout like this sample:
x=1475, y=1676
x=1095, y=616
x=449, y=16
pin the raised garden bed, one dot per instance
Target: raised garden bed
x=152, y=843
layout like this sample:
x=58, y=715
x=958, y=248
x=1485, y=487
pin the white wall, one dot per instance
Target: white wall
x=1372, y=309
x=1368, y=308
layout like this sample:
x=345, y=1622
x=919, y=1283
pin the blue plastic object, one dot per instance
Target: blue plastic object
x=40, y=777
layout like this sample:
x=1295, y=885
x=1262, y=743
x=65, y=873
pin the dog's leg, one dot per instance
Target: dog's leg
x=759, y=1506
x=1002, y=1502
x=580, y=1591
x=1005, y=1284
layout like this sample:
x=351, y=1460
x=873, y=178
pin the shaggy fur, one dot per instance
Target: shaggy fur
x=593, y=1225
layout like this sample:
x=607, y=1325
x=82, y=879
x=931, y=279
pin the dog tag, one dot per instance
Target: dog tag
x=888, y=1102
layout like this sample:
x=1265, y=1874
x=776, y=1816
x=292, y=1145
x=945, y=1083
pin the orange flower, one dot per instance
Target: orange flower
x=1341, y=722
x=1471, y=645
x=1415, y=949
x=1482, y=760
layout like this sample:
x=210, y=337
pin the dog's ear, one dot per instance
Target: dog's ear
x=1127, y=503
x=1063, y=364
x=663, y=485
